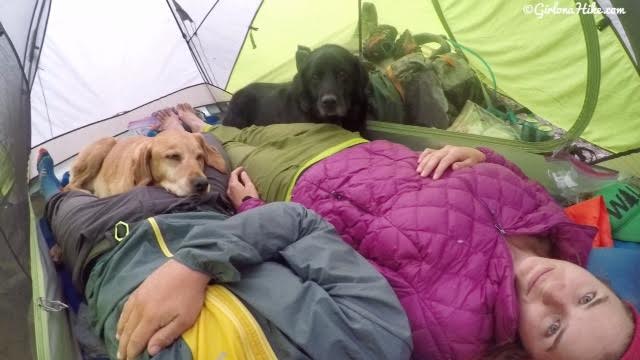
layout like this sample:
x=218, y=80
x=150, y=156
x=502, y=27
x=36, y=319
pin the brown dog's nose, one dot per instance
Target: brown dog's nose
x=200, y=184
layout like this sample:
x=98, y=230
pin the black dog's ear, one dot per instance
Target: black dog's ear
x=299, y=89
x=301, y=92
x=363, y=76
x=360, y=90
x=302, y=54
x=359, y=99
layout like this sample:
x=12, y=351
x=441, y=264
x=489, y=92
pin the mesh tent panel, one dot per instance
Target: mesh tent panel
x=15, y=287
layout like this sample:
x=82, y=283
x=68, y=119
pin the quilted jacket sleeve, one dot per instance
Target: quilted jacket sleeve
x=249, y=204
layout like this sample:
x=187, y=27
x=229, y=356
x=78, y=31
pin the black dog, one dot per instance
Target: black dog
x=330, y=87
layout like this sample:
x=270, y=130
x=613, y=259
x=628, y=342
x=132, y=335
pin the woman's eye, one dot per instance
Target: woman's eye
x=553, y=329
x=587, y=298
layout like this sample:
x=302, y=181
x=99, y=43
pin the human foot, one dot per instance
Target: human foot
x=190, y=118
x=168, y=119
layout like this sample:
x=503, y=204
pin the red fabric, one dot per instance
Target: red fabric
x=593, y=212
x=633, y=351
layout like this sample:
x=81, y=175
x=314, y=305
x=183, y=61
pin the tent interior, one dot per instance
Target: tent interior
x=75, y=71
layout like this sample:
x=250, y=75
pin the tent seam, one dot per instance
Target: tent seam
x=44, y=36
x=198, y=65
x=243, y=42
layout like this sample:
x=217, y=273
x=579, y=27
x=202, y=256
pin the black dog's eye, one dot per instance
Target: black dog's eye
x=315, y=76
x=175, y=157
x=342, y=75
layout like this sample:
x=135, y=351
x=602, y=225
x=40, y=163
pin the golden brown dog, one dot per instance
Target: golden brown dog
x=173, y=159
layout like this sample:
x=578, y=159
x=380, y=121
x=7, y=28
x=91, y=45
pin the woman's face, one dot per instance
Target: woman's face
x=567, y=313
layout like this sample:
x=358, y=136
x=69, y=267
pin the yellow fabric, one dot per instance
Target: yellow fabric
x=325, y=154
x=159, y=237
x=207, y=128
x=226, y=330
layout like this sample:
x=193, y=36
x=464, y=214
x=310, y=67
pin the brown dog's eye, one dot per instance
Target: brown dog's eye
x=175, y=157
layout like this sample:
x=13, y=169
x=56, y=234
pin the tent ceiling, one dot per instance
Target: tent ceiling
x=216, y=33
x=24, y=21
x=103, y=58
x=283, y=25
x=15, y=16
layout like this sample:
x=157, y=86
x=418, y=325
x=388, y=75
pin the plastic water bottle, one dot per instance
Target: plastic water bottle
x=144, y=127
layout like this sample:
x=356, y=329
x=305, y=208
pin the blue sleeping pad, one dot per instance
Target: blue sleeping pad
x=620, y=268
x=72, y=296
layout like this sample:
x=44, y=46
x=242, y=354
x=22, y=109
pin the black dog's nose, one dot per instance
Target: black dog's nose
x=200, y=184
x=329, y=101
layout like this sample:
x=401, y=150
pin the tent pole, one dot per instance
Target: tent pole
x=360, y=28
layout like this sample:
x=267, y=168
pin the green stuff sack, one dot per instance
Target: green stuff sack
x=385, y=103
x=623, y=204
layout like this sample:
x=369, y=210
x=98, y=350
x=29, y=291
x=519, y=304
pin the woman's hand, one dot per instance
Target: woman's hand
x=456, y=157
x=164, y=306
x=240, y=186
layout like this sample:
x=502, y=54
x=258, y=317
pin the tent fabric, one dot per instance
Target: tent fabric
x=91, y=69
x=522, y=50
x=53, y=335
x=627, y=27
x=221, y=28
x=15, y=287
x=67, y=145
x=24, y=21
x=542, y=64
x=104, y=64
x=619, y=28
x=626, y=163
x=307, y=24
x=16, y=16
x=199, y=41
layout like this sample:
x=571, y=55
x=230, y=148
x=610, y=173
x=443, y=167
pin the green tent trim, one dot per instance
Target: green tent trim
x=6, y=174
x=587, y=23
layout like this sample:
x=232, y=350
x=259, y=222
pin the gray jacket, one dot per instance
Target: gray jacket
x=313, y=295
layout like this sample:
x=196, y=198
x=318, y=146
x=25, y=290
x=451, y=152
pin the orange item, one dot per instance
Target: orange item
x=593, y=212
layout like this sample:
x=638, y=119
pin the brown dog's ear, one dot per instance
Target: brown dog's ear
x=211, y=156
x=142, y=173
